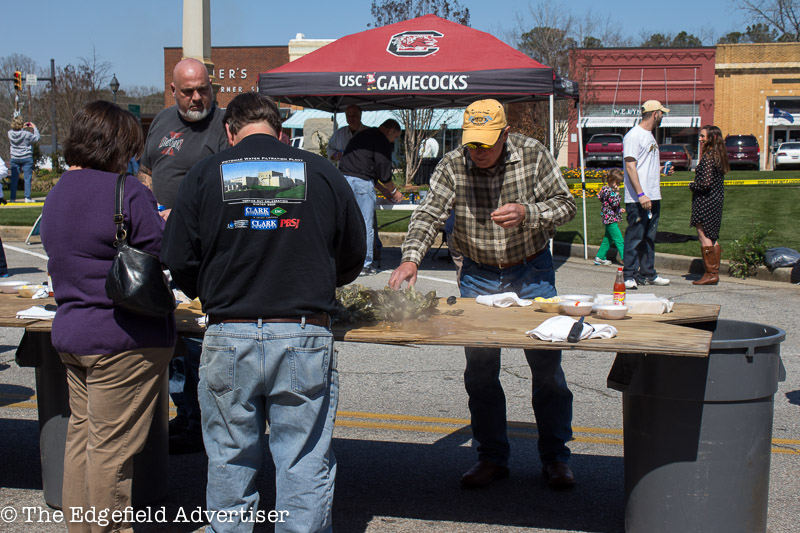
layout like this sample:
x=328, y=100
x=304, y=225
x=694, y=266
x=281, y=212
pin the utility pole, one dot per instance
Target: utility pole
x=52, y=80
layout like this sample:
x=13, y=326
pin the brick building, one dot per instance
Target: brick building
x=751, y=81
x=236, y=68
x=616, y=81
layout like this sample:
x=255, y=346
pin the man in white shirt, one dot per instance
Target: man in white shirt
x=429, y=148
x=340, y=138
x=642, y=198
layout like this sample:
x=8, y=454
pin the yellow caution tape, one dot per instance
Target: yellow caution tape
x=794, y=181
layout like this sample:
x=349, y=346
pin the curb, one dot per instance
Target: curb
x=678, y=263
x=673, y=262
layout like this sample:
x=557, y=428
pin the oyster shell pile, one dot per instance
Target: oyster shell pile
x=359, y=304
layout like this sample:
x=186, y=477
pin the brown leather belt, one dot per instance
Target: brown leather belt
x=318, y=319
x=517, y=263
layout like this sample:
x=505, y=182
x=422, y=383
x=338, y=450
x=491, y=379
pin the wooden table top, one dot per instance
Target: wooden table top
x=479, y=325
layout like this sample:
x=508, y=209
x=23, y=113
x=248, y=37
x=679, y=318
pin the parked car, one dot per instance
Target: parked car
x=787, y=154
x=743, y=150
x=296, y=142
x=679, y=154
x=604, y=149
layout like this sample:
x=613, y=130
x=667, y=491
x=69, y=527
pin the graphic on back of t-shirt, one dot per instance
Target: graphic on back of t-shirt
x=257, y=180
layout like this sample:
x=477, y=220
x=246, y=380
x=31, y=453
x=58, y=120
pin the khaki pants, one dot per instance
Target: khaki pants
x=112, y=398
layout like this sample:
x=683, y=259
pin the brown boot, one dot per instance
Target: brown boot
x=711, y=265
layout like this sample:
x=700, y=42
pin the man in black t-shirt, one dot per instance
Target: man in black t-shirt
x=179, y=137
x=366, y=164
x=263, y=233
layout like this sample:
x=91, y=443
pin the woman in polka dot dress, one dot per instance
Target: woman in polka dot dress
x=708, y=192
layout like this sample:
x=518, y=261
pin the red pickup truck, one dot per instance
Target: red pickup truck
x=604, y=149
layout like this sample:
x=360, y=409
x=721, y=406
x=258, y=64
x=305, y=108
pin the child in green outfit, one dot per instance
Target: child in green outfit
x=610, y=210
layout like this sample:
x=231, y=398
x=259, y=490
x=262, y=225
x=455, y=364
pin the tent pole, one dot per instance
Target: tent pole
x=583, y=183
x=552, y=146
x=552, y=129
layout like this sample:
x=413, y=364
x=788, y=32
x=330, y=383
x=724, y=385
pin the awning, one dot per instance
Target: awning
x=680, y=122
x=629, y=122
x=453, y=117
x=608, y=122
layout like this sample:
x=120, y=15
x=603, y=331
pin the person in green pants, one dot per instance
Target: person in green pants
x=610, y=210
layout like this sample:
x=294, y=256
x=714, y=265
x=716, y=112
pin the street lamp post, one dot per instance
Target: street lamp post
x=114, y=87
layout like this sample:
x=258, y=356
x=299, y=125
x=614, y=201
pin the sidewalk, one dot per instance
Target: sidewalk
x=678, y=263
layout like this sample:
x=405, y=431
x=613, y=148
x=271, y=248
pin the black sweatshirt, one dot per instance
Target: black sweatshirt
x=368, y=156
x=264, y=230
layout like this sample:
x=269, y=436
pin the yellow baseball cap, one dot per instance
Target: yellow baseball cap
x=484, y=120
x=653, y=105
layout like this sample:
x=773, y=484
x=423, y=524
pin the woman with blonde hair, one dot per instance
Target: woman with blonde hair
x=708, y=193
x=22, y=155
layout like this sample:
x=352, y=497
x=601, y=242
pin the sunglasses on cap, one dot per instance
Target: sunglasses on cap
x=482, y=146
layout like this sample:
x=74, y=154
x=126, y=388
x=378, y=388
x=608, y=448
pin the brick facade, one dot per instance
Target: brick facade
x=616, y=81
x=236, y=68
x=751, y=77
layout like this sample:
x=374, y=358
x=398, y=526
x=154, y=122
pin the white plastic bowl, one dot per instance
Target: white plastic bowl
x=611, y=312
x=11, y=287
x=550, y=307
x=577, y=297
x=575, y=308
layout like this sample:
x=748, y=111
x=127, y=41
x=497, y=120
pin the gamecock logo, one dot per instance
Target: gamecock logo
x=416, y=43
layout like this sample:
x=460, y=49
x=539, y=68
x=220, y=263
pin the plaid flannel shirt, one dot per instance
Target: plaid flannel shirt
x=528, y=175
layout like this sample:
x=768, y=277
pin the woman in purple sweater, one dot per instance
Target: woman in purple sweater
x=116, y=361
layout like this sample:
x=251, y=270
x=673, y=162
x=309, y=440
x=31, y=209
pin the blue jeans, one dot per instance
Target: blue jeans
x=3, y=263
x=366, y=200
x=24, y=165
x=551, y=397
x=284, y=374
x=640, y=241
x=183, y=380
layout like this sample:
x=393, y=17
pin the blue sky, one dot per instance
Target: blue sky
x=131, y=36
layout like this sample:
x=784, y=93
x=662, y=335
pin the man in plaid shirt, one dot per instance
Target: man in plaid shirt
x=509, y=197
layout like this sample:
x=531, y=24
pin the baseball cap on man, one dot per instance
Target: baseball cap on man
x=653, y=105
x=483, y=122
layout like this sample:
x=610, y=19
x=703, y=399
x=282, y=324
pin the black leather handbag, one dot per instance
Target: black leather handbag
x=136, y=281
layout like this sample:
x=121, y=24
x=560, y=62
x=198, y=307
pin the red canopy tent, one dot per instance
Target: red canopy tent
x=419, y=63
x=426, y=62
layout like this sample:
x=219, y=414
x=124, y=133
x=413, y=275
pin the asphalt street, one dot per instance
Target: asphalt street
x=402, y=438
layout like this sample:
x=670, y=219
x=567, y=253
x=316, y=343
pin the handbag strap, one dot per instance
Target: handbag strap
x=119, y=220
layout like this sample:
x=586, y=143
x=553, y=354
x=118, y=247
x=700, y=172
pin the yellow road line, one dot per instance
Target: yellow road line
x=410, y=418
x=432, y=424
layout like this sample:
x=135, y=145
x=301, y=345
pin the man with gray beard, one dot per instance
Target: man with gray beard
x=183, y=134
x=179, y=137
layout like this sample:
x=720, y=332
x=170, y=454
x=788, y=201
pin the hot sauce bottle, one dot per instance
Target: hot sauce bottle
x=619, y=288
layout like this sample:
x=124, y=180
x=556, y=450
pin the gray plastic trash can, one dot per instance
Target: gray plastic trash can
x=698, y=432
x=150, y=466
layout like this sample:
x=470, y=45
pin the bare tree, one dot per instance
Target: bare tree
x=783, y=15
x=554, y=36
x=390, y=11
x=418, y=123
x=96, y=71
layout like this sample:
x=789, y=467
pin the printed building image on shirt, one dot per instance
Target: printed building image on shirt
x=263, y=179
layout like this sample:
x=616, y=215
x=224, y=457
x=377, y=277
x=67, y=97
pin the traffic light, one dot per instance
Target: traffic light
x=17, y=80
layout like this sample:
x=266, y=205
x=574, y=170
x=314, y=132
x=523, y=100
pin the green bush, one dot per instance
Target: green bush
x=748, y=252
